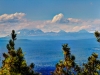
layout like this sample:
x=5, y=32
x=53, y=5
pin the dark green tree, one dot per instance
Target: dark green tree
x=14, y=62
x=65, y=67
x=68, y=65
x=97, y=34
x=92, y=67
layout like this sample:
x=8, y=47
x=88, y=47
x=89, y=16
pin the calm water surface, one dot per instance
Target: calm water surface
x=46, y=53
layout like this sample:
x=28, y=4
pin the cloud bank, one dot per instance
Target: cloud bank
x=18, y=21
x=57, y=18
x=16, y=17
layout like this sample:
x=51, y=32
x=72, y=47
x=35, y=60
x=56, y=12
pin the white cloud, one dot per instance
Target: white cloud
x=72, y=20
x=60, y=19
x=17, y=21
x=11, y=17
x=57, y=18
x=74, y=24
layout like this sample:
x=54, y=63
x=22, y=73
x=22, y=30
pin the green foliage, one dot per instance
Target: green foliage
x=92, y=66
x=97, y=34
x=14, y=62
x=69, y=67
x=66, y=67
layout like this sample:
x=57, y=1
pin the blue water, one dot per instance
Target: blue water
x=46, y=53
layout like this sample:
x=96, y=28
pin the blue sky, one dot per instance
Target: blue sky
x=49, y=15
x=46, y=9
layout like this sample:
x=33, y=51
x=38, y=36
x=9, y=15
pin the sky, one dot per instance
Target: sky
x=49, y=15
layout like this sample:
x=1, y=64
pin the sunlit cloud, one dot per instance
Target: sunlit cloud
x=16, y=17
x=57, y=18
x=17, y=21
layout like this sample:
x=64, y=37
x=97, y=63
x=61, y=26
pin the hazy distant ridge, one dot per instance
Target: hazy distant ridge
x=38, y=34
x=61, y=35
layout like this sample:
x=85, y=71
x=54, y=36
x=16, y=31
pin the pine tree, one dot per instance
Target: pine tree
x=92, y=67
x=97, y=34
x=14, y=62
x=68, y=65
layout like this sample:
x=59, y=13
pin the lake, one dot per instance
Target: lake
x=46, y=53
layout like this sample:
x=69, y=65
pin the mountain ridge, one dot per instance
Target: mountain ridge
x=38, y=34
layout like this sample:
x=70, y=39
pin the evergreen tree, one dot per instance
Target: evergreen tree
x=14, y=62
x=97, y=34
x=92, y=67
x=68, y=66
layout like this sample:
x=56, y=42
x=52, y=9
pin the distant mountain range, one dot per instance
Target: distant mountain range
x=61, y=35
